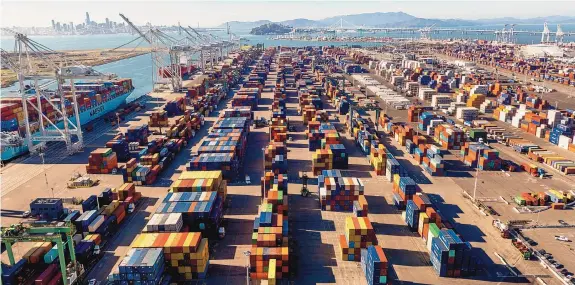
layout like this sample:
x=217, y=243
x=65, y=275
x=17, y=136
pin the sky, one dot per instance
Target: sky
x=25, y=13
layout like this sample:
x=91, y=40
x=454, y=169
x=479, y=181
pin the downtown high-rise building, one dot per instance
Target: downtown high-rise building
x=87, y=19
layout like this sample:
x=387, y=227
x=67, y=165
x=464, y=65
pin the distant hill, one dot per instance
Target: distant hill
x=398, y=19
x=368, y=19
x=302, y=23
x=420, y=22
x=271, y=29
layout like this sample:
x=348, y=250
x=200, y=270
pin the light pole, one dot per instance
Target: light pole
x=247, y=254
x=41, y=154
x=477, y=169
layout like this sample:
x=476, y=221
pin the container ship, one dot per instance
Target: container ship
x=185, y=70
x=95, y=99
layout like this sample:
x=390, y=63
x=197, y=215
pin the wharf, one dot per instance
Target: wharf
x=315, y=231
x=92, y=58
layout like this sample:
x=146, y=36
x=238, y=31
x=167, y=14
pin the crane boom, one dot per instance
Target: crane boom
x=143, y=35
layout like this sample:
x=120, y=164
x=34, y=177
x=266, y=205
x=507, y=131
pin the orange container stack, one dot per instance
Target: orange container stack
x=159, y=119
x=449, y=137
x=403, y=133
x=102, y=161
x=278, y=133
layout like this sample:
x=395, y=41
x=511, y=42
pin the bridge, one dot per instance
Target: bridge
x=505, y=34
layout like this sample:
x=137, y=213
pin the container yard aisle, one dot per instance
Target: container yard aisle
x=473, y=226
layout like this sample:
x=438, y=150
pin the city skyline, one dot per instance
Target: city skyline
x=192, y=13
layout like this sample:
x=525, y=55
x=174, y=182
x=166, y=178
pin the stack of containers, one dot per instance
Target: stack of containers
x=392, y=167
x=102, y=161
x=359, y=234
x=364, y=139
x=201, y=211
x=489, y=159
x=558, y=131
x=425, y=120
x=119, y=145
x=278, y=182
x=451, y=257
x=322, y=160
x=85, y=220
x=340, y=157
x=336, y=192
x=246, y=100
x=360, y=207
x=51, y=275
x=378, y=159
x=239, y=111
x=449, y=137
x=139, y=174
x=165, y=223
x=271, y=151
x=138, y=134
x=186, y=254
x=126, y=193
x=403, y=188
x=159, y=119
x=140, y=265
x=433, y=162
x=278, y=133
x=36, y=253
x=226, y=162
x=201, y=181
x=403, y=133
x=374, y=265
x=279, y=165
x=175, y=107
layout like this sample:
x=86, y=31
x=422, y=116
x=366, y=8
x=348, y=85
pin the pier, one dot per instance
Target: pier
x=93, y=57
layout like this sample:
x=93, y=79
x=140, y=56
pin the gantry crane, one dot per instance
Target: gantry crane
x=30, y=54
x=426, y=32
x=51, y=232
x=163, y=45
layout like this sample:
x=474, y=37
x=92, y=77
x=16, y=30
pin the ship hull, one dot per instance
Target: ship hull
x=86, y=117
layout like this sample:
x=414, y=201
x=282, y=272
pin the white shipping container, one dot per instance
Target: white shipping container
x=466, y=113
x=538, y=132
x=502, y=116
x=564, y=141
x=96, y=223
x=436, y=100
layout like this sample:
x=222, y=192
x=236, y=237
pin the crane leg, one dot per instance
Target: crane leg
x=10, y=253
x=62, y=262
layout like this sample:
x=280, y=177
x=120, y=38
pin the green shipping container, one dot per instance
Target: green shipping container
x=519, y=200
x=433, y=229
